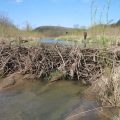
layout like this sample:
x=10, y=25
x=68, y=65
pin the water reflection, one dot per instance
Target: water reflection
x=64, y=42
x=38, y=101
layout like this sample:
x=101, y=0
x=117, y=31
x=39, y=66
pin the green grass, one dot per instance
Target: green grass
x=97, y=37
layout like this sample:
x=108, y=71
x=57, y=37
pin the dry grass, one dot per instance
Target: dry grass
x=108, y=88
x=10, y=32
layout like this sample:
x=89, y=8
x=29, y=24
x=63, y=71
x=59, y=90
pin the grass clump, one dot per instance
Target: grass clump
x=108, y=87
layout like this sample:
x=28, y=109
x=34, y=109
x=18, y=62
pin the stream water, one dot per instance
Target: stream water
x=38, y=101
x=53, y=41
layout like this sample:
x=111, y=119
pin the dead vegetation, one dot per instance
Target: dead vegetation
x=108, y=88
x=72, y=62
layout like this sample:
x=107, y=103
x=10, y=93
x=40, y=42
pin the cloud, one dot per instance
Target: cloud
x=18, y=1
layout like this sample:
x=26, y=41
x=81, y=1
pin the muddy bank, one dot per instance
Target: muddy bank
x=14, y=80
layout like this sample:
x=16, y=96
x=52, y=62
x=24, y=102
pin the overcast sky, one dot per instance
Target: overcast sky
x=59, y=12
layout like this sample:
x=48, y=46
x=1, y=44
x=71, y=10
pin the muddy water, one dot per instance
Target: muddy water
x=38, y=101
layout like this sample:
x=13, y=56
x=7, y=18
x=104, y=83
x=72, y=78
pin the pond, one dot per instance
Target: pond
x=64, y=42
x=38, y=101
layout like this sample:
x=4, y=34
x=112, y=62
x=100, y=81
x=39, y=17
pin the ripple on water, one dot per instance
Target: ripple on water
x=37, y=101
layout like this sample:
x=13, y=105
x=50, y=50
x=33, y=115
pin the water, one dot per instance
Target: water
x=38, y=101
x=53, y=41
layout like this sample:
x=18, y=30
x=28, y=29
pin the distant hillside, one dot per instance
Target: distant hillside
x=56, y=31
x=52, y=31
x=116, y=24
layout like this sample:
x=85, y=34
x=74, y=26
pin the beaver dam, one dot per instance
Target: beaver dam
x=94, y=68
x=71, y=61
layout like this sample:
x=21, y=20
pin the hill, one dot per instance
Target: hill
x=118, y=23
x=56, y=31
x=53, y=31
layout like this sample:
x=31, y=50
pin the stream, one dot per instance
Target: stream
x=40, y=101
x=63, y=42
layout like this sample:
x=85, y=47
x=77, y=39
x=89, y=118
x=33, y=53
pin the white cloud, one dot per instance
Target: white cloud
x=18, y=1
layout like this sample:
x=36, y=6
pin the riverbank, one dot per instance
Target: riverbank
x=93, y=68
x=44, y=60
x=70, y=62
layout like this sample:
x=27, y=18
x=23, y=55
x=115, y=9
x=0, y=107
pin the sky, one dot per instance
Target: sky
x=67, y=13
